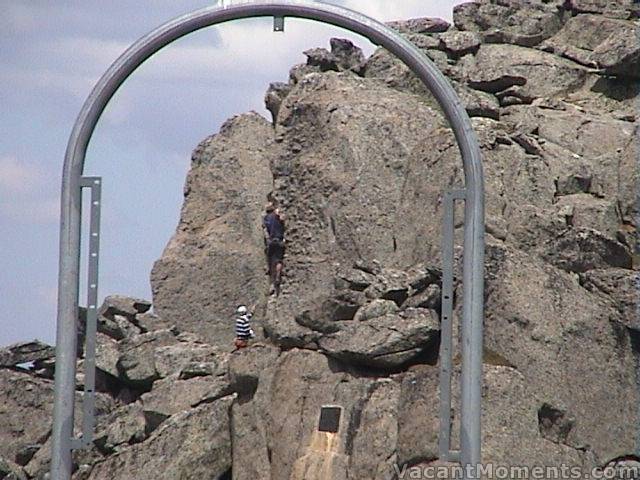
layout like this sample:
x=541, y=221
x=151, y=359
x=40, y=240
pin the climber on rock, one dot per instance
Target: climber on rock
x=244, y=333
x=273, y=227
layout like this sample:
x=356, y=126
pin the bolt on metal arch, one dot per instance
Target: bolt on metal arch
x=472, y=195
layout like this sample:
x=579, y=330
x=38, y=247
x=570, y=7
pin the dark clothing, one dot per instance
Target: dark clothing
x=274, y=226
x=275, y=251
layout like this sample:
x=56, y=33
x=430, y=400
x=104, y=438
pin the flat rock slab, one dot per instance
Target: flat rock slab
x=522, y=73
x=599, y=42
x=519, y=24
x=388, y=341
x=191, y=445
x=123, y=305
x=420, y=25
x=25, y=352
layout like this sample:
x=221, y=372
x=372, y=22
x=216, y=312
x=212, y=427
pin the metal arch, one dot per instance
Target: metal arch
x=379, y=34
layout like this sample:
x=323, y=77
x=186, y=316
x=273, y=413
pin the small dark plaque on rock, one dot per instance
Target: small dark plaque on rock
x=329, y=419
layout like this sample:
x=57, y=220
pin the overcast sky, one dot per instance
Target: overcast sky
x=51, y=55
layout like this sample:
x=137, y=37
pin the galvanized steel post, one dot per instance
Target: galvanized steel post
x=379, y=34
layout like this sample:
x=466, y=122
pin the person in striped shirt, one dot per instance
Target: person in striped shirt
x=243, y=327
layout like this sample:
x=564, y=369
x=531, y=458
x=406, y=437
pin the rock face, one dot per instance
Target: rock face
x=342, y=382
x=24, y=353
x=210, y=265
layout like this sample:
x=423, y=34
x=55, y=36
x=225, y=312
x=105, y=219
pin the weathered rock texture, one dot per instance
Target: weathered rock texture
x=218, y=246
x=358, y=156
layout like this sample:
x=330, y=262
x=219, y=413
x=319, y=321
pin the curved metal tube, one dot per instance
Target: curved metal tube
x=379, y=34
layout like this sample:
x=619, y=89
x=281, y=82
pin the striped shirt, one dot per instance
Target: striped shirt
x=243, y=328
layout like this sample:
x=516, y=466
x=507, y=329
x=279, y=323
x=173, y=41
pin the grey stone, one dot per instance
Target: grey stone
x=274, y=96
x=224, y=195
x=429, y=298
x=394, y=73
x=321, y=58
x=23, y=396
x=304, y=382
x=117, y=326
x=599, y=42
x=125, y=426
x=554, y=424
x=389, y=341
x=298, y=72
x=608, y=8
x=25, y=454
x=418, y=414
x=198, y=369
x=344, y=304
x=533, y=307
x=163, y=402
x=354, y=279
x=344, y=56
x=373, y=444
x=36, y=404
x=523, y=73
x=392, y=285
x=246, y=367
x=149, y=322
x=520, y=23
x=420, y=25
x=376, y=308
x=619, y=287
x=586, y=211
x=191, y=445
x=175, y=358
x=141, y=362
x=107, y=354
x=582, y=249
x=360, y=169
x=460, y=43
x=348, y=55
x=25, y=352
x=123, y=305
x=11, y=471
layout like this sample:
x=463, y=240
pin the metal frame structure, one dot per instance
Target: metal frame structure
x=71, y=201
x=91, y=327
x=446, y=325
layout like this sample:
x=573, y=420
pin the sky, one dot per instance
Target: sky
x=51, y=55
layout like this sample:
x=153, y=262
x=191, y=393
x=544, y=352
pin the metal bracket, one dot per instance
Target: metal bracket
x=446, y=325
x=278, y=24
x=89, y=398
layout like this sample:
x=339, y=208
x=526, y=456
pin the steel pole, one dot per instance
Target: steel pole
x=66, y=334
x=133, y=57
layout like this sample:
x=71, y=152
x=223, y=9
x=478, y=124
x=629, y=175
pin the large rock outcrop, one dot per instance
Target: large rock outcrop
x=211, y=264
x=360, y=156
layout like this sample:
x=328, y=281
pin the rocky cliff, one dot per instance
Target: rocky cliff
x=358, y=156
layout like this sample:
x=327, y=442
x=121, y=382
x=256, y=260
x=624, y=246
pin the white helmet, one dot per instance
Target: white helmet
x=241, y=310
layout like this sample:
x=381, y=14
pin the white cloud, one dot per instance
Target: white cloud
x=21, y=193
x=17, y=177
x=385, y=11
x=42, y=81
x=86, y=51
x=30, y=211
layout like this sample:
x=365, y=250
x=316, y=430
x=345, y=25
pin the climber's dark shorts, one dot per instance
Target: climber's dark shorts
x=275, y=252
